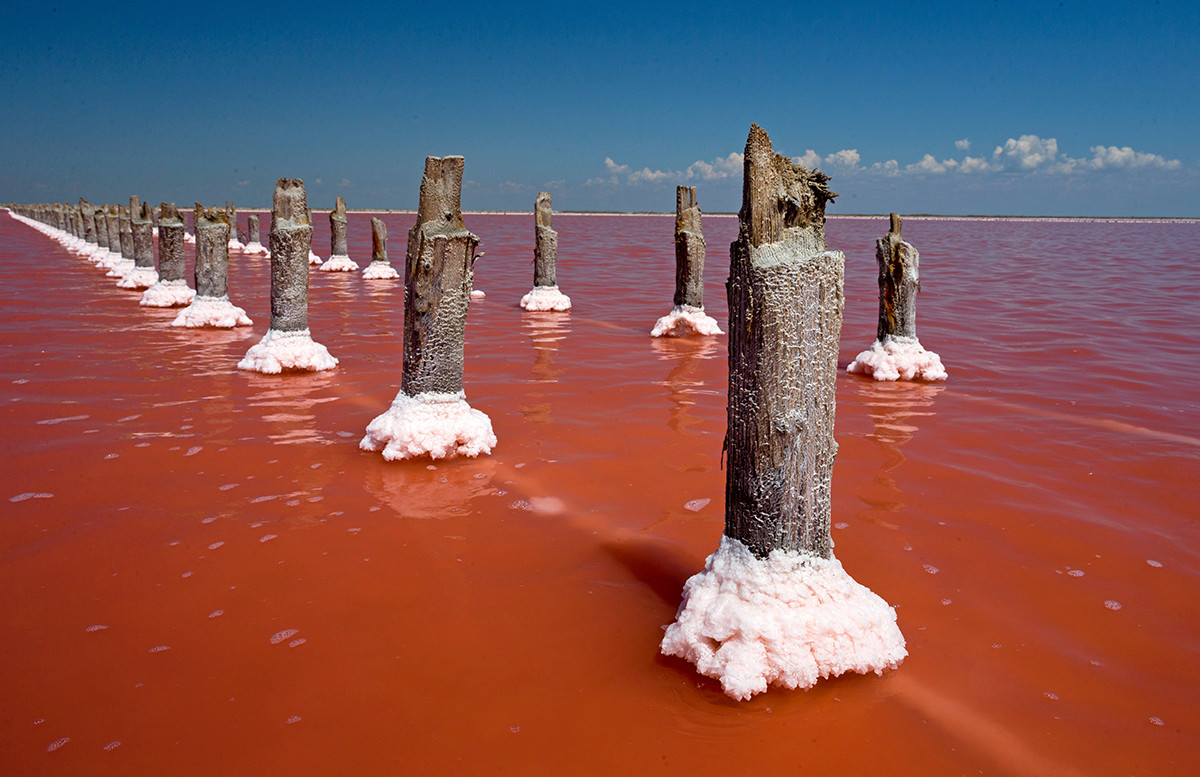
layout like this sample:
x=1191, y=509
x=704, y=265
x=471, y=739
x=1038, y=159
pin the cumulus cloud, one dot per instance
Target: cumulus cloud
x=1125, y=158
x=1028, y=152
x=963, y=145
x=847, y=159
x=613, y=167
x=974, y=164
x=930, y=165
x=889, y=168
x=721, y=167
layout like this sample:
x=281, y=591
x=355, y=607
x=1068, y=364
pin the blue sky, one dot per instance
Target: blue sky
x=995, y=107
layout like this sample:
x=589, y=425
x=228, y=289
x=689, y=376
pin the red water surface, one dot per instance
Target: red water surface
x=203, y=574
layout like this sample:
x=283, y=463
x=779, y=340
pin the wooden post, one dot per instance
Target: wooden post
x=211, y=305
x=143, y=275
x=545, y=294
x=785, y=318
x=896, y=353
x=288, y=344
x=339, y=257
x=545, y=247
x=171, y=290
x=231, y=215
x=689, y=249
x=772, y=604
x=438, y=273
x=254, y=236
x=899, y=282
x=687, y=315
x=379, y=268
x=430, y=415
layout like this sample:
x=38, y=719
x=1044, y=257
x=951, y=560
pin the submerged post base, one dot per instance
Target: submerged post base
x=313, y=258
x=216, y=312
x=380, y=271
x=546, y=298
x=898, y=358
x=139, y=278
x=120, y=268
x=279, y=351
x=168, y=294
x=339, y=263
x=790, y=619
x=256, y=247
x=439, y=425
x=684, y=320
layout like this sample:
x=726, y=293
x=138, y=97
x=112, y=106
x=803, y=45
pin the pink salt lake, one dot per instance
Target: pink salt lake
x=205, y=575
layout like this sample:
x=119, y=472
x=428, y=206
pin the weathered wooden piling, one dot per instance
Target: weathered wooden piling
x=211, y=306
x=799, y=616
x=172, y=289
x=254, y=237
x=545, y=294
x=231, y=214
x=144, y=274
x=430, y=414
x=897, y=353
x=687, y=313
x=288, y=344
x=379, y=268
x=339, y=255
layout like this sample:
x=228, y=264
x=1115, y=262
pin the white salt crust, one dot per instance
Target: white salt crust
x=120, y=269
x=111, y=260
x=235, y=243
x=546, y=298
x=279, y=351
x=313, y=258
x=212, y=311
x=477, y=294
x=683, y=320
x=898, y=358
x=339, y=263
x=99, y=255
x=380, y=271
x=188, y=237
x=139, y=278
x=438, y=424
x=788, y=620
x=168, y=294
x=256, y=248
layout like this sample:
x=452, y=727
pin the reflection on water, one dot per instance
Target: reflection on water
x=418, y=489
x=545, y=332
x=683, y=383
x=287, y=404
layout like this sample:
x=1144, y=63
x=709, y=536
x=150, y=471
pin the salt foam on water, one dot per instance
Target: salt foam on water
x=898, y=358
x=790, y=620
x=279, y=351
x=339, y=263
x=438, y=424
x=542, y=298
x=683, y=320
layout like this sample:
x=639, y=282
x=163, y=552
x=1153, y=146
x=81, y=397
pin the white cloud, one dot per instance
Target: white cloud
x=1125, y=158
x=1029, y=152
x=810, y=159
x=613, y=167
x=847, y=159
x=974, y=164
x=721, y=167
x=963, y=145
x=345, y=182
x=890, y=168
x=929, y=165
x=651, y=176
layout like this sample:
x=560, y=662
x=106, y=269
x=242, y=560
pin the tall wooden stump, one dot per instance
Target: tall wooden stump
x=231, y=214
x=101, y=227
x=288, y=344
x=123, y=262
x=545, y=294
x=172, y=289
x=772, y=604
x=88, y=214
x=430, y=415
x=254, y=237
x=897, y=353
x=379, y=269
x=143, y=275
x=339, y=254
x=211, y=306
x=687, y=315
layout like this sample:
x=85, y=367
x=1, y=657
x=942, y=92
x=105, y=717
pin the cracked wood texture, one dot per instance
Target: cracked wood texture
x=253, y=234
x=170, y=243
x=899, y=282
x=143, y=235
x=438, y=274
x=689, y=249
x=785, y=318
x=337, y=229
x=545, y=247
x=212, y=252
x=291, y=240
x=125, y=231
x=378, y=241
